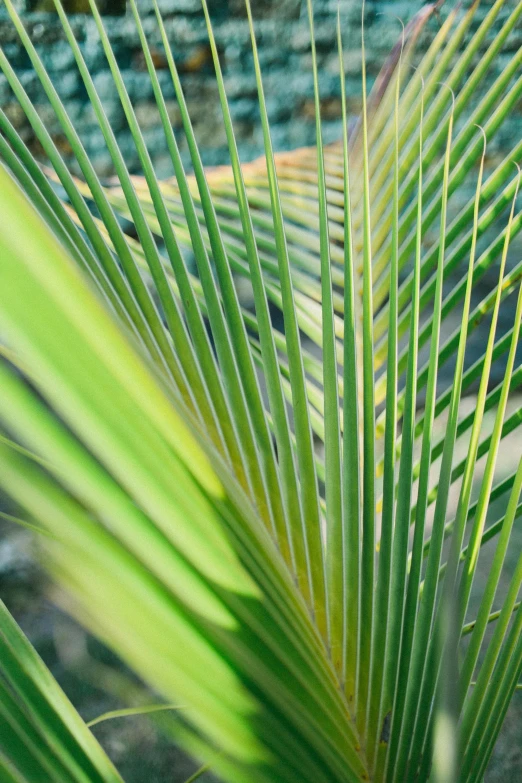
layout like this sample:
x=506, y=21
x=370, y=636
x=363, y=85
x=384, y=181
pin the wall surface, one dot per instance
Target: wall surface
x=283, y=37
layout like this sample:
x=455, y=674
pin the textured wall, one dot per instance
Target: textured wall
x=283, y=36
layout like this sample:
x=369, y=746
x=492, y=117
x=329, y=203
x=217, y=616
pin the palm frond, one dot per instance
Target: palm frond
x=256, y=518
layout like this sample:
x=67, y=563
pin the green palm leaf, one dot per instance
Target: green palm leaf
x=243, y=513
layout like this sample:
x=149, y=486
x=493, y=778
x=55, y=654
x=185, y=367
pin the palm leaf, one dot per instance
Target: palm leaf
x=211, y=484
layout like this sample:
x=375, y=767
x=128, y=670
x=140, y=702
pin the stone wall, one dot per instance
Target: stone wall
x=283, y=36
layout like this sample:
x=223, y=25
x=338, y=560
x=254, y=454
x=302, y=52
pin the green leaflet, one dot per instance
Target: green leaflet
x=42, y=736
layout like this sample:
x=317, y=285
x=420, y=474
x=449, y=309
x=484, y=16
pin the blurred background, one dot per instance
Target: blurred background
x=140, y=750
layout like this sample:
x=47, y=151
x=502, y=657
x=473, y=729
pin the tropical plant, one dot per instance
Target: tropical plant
x=261, y=530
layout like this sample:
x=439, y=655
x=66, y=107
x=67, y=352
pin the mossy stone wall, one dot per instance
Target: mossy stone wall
x=283, y=36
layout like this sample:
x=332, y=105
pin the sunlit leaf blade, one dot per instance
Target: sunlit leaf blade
x=351, y=416
x=368, y=441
